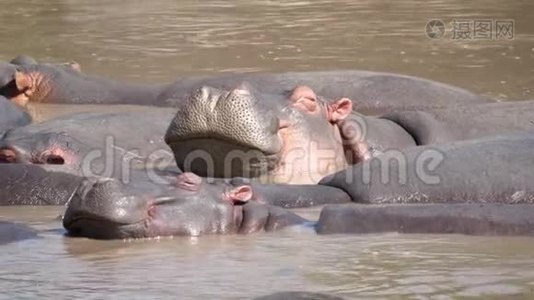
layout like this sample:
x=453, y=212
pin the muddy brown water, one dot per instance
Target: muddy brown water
x=154, y=41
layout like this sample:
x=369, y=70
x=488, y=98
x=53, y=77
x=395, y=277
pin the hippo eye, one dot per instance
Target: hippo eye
x=54, y=160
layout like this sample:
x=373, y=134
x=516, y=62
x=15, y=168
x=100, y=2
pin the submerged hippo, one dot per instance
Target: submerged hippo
x=98, y=140
x=11, y=116
x=190, y=206
x=12, y=81
x=374, y=92
x=300, y=138
x=187, y=205
x=12, y=232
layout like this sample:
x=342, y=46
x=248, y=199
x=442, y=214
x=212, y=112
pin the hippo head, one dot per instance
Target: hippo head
x=60, y=148
x=187, y=206
x=41, y=148
x=291, y=138
x=24, y=80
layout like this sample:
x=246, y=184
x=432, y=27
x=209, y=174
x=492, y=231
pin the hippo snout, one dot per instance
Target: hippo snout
x=218, y=125
x=236, y=116
x=103, y=206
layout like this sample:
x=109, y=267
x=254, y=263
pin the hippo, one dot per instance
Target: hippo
x=11, y=116
x=24, y=60
x=11, y=79
x=458, y=218
x=36, y=185
x=494, y=170
x=13, y=232
x=190, y=206
x=98, y=140
x=374, y=92
x=105, y=208
x=301, y=137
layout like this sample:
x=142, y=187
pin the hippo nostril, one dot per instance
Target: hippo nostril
x=54, y=160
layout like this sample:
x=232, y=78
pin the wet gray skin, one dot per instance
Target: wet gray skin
x=101, y=139
x=11, y=116
x=458, y=218
x=243, y=133
x=36, y=185
x=185, y=205
x=489, y=170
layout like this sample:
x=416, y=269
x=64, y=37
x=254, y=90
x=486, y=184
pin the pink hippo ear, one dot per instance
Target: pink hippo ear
x=339, y=110
x=189, y=181
x=240, y=194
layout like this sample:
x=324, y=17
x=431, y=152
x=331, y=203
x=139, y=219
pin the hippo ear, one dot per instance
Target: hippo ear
x=339, y=110
x=22, y=81
x=240, y=194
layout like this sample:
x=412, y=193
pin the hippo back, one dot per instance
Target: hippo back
x=372, y=92
x=496, y=170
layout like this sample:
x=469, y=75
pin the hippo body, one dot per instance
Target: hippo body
x=36, y=185
x=11, y=116
x=13, y=232
x=373, y=92
x=403, y=129
x=496, y=170
x=456, y=123
x=135, y=137
x=459, y=218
